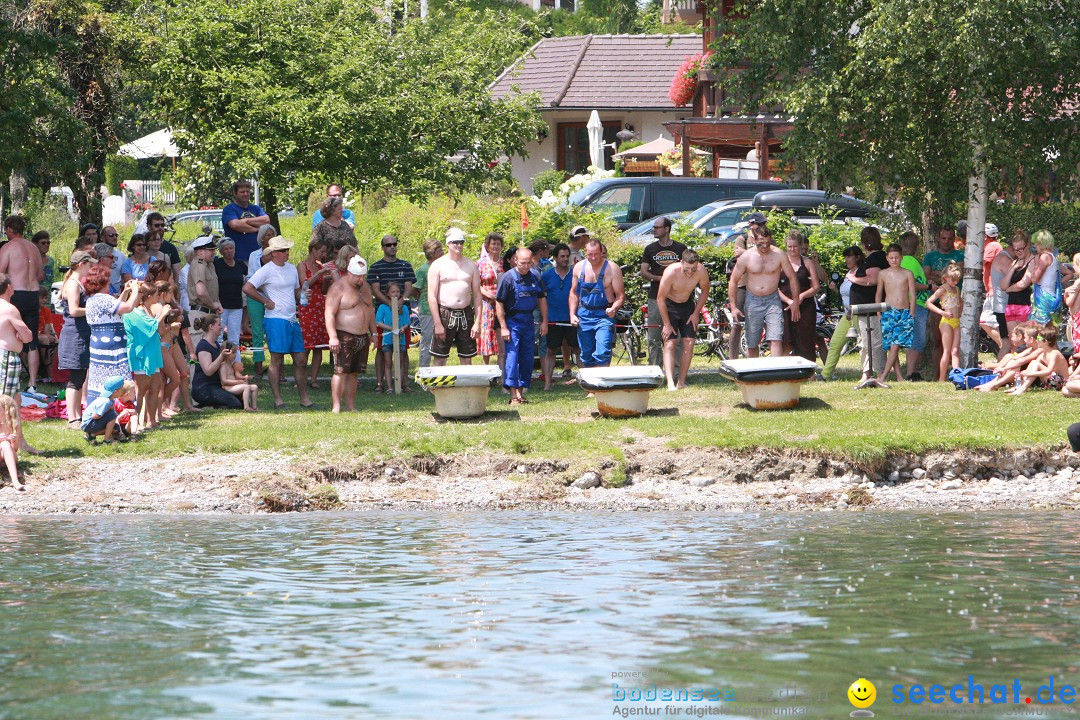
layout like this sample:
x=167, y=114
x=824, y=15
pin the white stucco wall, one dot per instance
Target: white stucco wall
x=544, y=155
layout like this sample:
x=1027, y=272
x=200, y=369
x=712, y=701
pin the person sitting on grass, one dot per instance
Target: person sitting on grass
x=206, y=386
x=1024, y=351
x=48, y=334
x=10, y=430
x=127, y=414
x=896, y=287
x=948, y=303
x=235, y=381
x=1049, y=368
x=99, y=417
x=1072, y=384
x=384, y=318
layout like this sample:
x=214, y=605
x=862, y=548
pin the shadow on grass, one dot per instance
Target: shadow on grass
x=489, y=416
x=651, y=412
x=805, y=404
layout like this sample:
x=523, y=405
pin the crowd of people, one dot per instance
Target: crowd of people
x=142, y=336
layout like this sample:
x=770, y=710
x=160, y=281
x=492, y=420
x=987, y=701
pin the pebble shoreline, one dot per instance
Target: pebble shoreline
x=656, y=477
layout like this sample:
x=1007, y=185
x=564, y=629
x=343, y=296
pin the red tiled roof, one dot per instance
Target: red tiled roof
x=600, y=71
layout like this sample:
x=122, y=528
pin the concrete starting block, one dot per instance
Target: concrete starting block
x=769, y=383
x=621, y=391
x=460, y=391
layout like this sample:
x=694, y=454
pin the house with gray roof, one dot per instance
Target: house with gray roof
x=625, y=78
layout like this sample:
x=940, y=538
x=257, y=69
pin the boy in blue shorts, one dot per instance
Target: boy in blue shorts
x=896, y=288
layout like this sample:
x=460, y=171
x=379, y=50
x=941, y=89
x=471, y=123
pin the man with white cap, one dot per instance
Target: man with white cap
x=202, y=284
x=280, y=282
x=452, y=288
x=991, y=248
x=350, y=323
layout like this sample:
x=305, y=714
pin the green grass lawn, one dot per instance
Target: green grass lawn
x=833, y=417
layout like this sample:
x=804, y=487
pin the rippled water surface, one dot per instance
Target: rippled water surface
x=524, y=615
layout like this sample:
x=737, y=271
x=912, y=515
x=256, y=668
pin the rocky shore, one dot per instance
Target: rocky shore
x=645, y=475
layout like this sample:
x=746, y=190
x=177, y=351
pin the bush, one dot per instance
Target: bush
x=548, y=180
x=119, y=168
x=1061, y=219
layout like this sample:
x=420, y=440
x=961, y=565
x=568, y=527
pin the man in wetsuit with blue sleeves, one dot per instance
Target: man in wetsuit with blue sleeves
x=518, y=294
x=595, y=296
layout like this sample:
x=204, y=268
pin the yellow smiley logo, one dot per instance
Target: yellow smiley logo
x=862, y=693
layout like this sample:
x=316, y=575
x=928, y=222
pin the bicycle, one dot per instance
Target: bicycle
x=629, y=337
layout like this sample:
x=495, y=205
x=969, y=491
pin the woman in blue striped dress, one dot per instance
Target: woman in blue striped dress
x=108, y=342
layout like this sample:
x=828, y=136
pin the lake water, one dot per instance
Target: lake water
x=529, y=614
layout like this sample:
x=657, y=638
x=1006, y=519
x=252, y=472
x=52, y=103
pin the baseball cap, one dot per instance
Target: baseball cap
x=113, y=383
x=756, y=217
x=580, y=230
x=455, y=235
x=358, y=266
x=991, y=230
x=80, y=256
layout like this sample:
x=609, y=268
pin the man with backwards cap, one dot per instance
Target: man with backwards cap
x=350, y=323
x=202, y=284
x=453, y=287
x=281, y=283
x=578, y=237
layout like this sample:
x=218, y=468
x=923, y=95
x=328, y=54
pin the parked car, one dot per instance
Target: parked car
x=724, y=235
x=642, y=232
x=630, y=200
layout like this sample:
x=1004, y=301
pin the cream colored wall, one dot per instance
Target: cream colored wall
x=544, y=155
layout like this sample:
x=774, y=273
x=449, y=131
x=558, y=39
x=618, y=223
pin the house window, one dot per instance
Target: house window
x=573, y=141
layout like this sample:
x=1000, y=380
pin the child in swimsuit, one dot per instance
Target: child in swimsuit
x=1048, y=369
x=127, y=414
x=947, y=302
x=10, y=429
x=1024, y=351
x=233, y=380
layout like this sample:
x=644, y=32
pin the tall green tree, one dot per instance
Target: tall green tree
x=931, y=100
x=270, y=89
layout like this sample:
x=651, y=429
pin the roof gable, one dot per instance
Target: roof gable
x=600, y=71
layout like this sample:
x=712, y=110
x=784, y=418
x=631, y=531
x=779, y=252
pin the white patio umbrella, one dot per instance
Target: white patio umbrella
x=596, y=140
x=155, y=145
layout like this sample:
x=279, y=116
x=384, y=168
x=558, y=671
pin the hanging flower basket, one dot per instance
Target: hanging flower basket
x=684, y=84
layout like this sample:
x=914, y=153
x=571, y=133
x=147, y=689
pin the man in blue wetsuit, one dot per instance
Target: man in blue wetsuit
x=519, y=293
x=595, y=296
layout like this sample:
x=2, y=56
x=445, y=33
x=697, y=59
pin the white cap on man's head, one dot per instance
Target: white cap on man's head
x=358, y=266
x=455, y=234
x=991, y=230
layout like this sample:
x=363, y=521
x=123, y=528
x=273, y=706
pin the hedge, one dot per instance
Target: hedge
x=1061, y=219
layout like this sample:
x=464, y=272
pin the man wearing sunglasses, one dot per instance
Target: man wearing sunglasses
x=111, y=237
x=388, y=270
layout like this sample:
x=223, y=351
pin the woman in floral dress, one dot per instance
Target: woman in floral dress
x=490, y=266
x=316, y=275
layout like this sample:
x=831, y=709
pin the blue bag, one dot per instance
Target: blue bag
x=967, y=378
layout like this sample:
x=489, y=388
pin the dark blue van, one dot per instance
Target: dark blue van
x=630, y=200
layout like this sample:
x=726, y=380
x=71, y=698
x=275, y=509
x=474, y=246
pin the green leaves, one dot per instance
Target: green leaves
x=897, y=92
x=329, y=86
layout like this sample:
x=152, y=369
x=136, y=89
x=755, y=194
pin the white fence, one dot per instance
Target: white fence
x=145, y=191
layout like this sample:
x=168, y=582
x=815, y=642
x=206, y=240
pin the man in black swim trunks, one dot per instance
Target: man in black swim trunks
x=21, y=260
x=679, y=313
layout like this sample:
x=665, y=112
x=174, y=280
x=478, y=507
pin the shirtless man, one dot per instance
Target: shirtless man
x=13, y=333
x=21, y=261
x=350, y=323
x=679, y=313
x=452, y=285
x=896, y=288
x=764, y=310
x=596, y=294
x=743, y=242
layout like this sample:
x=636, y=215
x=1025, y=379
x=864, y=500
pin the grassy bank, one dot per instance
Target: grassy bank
x=833, y=418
